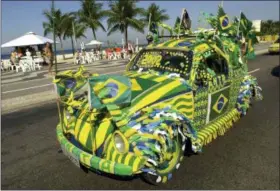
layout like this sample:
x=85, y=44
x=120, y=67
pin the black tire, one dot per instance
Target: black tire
x=164, y=175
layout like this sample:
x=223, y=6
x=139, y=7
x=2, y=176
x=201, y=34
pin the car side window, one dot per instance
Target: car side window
x=212, y=67
x=217, y=65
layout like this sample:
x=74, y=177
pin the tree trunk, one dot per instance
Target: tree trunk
x=73, y=49
x=61, y=45
x=125, y=37
x=93, y=32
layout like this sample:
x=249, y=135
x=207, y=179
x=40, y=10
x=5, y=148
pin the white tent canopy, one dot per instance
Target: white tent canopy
x=28, y=39
x=94, y=42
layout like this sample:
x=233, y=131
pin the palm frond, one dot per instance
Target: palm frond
x=113, y=29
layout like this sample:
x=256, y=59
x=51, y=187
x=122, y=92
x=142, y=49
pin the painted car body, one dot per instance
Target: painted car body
x=171, y=92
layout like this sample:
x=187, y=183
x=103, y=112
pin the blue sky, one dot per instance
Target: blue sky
x=20, y=17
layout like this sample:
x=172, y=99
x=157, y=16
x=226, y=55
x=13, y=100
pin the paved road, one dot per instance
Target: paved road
x=247, y=157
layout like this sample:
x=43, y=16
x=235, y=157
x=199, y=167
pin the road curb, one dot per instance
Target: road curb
x=29, y=101
x=261, y=52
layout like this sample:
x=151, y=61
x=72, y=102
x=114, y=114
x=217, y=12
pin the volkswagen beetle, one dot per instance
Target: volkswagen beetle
x=174, y=95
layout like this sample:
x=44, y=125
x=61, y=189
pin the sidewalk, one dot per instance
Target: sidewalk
x=11, y=76
x=49, y=96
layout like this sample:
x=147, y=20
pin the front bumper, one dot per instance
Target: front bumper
x=92, y=161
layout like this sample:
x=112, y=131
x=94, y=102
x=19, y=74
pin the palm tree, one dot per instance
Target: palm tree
x=267, y=27
x=276, y=27
x=73, y=28
x=91, y=15
x=123, y=15
x=157, y=15
x=56, y=17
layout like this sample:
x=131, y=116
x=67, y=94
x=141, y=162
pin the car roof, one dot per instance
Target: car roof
x=182, y=43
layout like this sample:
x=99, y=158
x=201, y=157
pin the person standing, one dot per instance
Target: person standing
x=48, y=55
x=13, y=59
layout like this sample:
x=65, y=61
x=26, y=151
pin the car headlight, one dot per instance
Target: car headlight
x=120, y=142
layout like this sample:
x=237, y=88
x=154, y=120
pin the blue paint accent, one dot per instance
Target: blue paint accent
x=146, y=170
x=113, y=89
x=188, y=44
x=169, y=176
x=132, y=123
x=225, y=22
x=99, y=151
x=220, y=103
x=136, y=115
x=70, y=83
x=153, y=124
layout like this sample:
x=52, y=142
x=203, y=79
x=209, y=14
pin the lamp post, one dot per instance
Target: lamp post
x=74, y=33
x=55, y=63
x=54, y=37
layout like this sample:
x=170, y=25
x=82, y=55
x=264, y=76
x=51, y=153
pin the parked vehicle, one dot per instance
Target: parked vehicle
x=275, y=47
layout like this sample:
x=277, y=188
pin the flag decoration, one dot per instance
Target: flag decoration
x=223, y=20
x=69, y=81
x=245, y=27
x=105, y=89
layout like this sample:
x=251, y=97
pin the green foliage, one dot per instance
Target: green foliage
x=73, y=27
x=55, y=18
x=166, y=27
x=123, y=14
x=157, y=14
x=72, y=22
x=270, y=27
x=177, y=27
x=91, y=14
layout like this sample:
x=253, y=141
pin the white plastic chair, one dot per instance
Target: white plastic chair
x=7, y=65
x=118, y=56
x=103, y=52
x=88, y=58
x=111, y=56
x=36, y=63
x=28, y=61
x=77, y=60
x=83, y=60
x=24, y=66
x=91, y=57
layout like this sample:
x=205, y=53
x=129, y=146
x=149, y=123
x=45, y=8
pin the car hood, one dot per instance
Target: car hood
x=133, y=91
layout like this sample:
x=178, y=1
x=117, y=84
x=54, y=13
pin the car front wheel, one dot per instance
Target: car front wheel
x=164, y=170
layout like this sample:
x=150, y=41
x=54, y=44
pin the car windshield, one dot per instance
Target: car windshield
x=170, y=61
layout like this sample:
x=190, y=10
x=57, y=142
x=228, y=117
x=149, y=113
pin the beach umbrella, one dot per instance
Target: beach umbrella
x=29, y=39
x=94, y=42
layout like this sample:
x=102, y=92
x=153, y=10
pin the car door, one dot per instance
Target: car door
x=213, y=82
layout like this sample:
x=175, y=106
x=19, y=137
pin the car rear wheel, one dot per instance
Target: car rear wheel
x=164, y=170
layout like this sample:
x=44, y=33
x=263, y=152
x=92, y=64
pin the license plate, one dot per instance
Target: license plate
x=71, y=156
